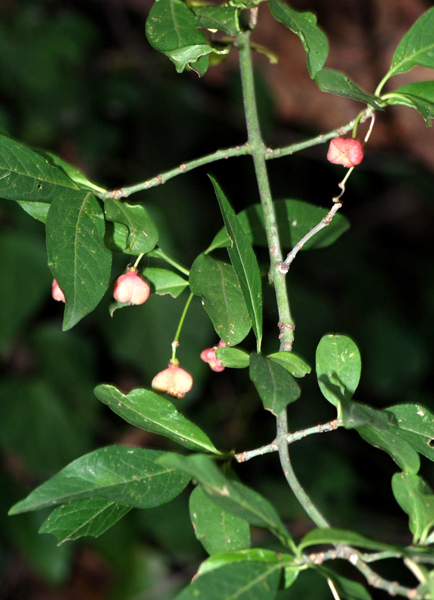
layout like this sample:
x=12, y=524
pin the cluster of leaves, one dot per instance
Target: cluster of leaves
x=85, y=225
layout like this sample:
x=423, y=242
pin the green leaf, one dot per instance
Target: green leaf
x=401, y=452
x=276, y=387
x=292, y=363
x=151, y=412
x=171, y=29
x=346, y=588
x=334, y=536
x=247, y=555
x=130, y=476
x=72, y=172
x=164, y=281
x=230, y=495
x=240, y=581
x=90, y=516
x=416, y=498
x=335, y=82
x=415, y=424
x=235, y=358
x=222, y=18
x=338, y=366
x=215, y=528
x=418, y=95
x=244, y=262
x=37, y=210
x=77, y=255
x=142, y=234
x=25, y=175
x=222, y=298
x=294, y=219
x=416, y=47
x=304, y=25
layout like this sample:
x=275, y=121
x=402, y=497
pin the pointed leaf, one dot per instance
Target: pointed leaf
x=416, y=498
x=72, y=172
x=415, y=424
x=418, y=95
x=171, y=29
x=222, y=298
x=90, y=516
x=77, y=255
x=130, y=476
x=294, y=219
x=276, y=387
x=291, y=362
x=347, y=589
x=334, y=536
x=230, y=495
x=250, y=554
x=164, y=281
x=215, y=528
x=338, y=364
x=335, y=82
x=416, y=47
x=244, y=262
x=304, y=25
x=234, y=358
x=142, y=234
x=37, y=210
x=240, y=581
x=25, y=175
x=151, y=412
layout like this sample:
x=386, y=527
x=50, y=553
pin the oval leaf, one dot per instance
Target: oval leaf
x=416, y=47
x=215, y=528
x=90, y=516
x=217, y=284
x=334, y=82
x=164, y=281
x=223, y=18
x=250, y=554
x=77, y=255
x=276, y=387
x=235, y=358
x=338, y=365
x=418, y=95
x=304, y=25
x=416, y=498
x=152, y=412
x=415, y=424
x=142, y=233
x=244, y=262
x=291, y=362
x=130, y=476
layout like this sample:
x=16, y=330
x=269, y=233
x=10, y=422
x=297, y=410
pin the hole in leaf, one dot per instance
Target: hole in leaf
x=431, y=443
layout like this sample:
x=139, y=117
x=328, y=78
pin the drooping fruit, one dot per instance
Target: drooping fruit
x=131, y=288
x=173, y=380
x=209, y=356
x=347, y=152
x=56, y=292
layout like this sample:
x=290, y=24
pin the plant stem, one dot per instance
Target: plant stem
x=290, y=438
x=258, y=151
x=175, y=342
x=159, y=253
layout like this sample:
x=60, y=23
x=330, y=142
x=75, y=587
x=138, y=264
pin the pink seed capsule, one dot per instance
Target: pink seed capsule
x=209, y=356
x=347, y=152
x=131, y=288
x=173, y=380
x=56, y=292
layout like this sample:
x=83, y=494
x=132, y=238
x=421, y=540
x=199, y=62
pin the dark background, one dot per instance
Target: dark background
x=80, y=79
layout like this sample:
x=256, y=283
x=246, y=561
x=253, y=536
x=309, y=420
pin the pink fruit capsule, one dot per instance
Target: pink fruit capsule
x=131, y=288
x=173, y=380
x=56, y=292
x=209, y=356
x=347, y=152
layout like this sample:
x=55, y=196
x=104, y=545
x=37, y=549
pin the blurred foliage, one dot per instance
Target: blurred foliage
x=79, y=79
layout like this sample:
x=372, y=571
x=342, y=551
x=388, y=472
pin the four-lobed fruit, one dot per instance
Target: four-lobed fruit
x=173, y=380
x=209, y=356
x=131, y=288
x=347, y=152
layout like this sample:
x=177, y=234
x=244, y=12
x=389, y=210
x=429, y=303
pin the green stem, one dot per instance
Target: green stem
x=258, y=151
x=175, y=342
x=299, y=493
x=159, y=253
